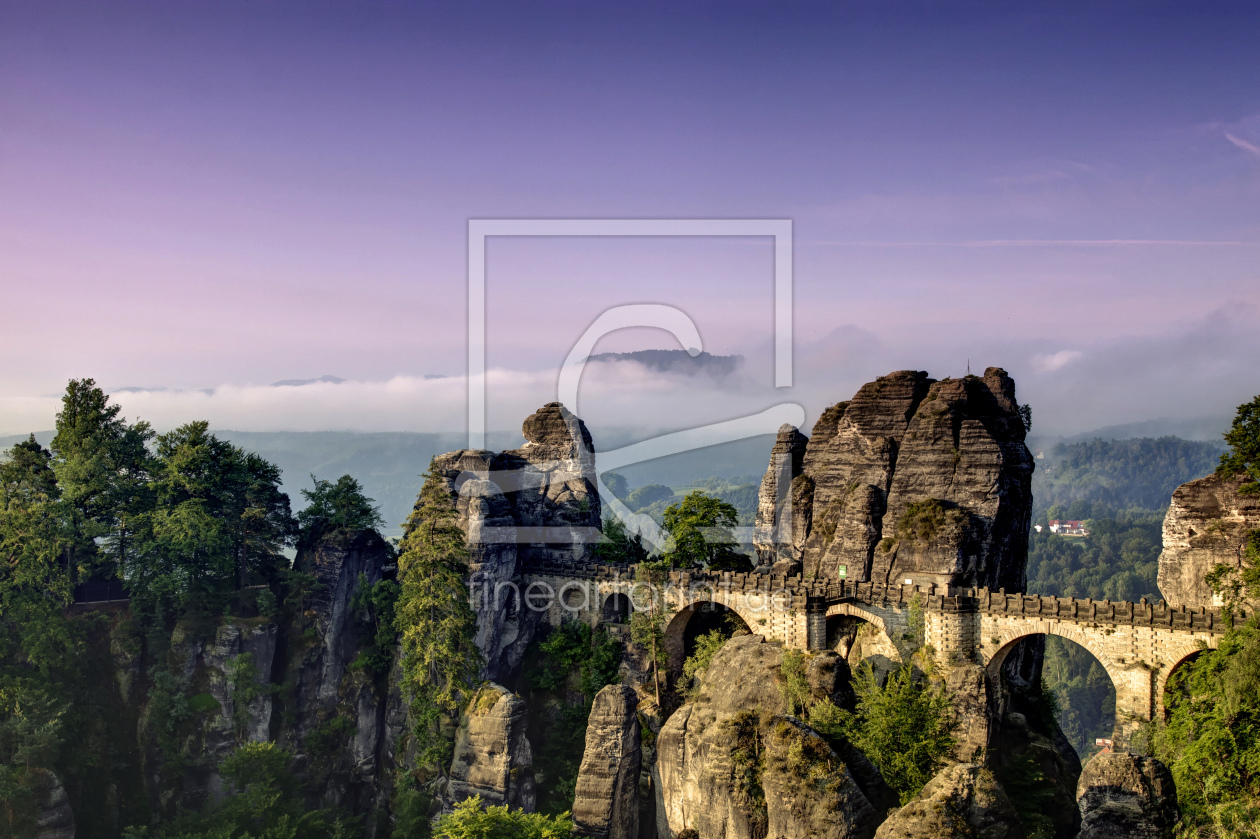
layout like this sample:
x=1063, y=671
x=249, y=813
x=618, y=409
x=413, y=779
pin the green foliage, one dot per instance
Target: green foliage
x=1243, y=439
x=698, y=662
x=218, y=519
x=616, y=483
x=264, y=804
x=903, y=727
x=1031, y=793
x=921, y=521
x=1119, y=560
x=573, y=648
x=747, y=768
x=434, y=617
x=411, y=808
x=644, y=496
x=336, y=506
x=563, y=672
x=916, y=623
x=793, y=684
x=1083, y=692
x=329, y=736
x=380, y=603
x=618, y=544
x=701, y=528
x=471, y=820
x=31, y=723
x=1118, y=474
x=1211, y=740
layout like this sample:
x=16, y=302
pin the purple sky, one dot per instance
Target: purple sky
x=218, y=196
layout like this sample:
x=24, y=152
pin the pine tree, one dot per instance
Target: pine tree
x=434, y=617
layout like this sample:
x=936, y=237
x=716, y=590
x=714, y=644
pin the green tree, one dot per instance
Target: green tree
x=102, y=466
x=647, y=626
x=336, y=506
x=1243, y=438
x=218, y=518
x=434, y=617
x=618, y=544
x=616, y=483
x=265, y=802
x=1211, y=740
x=903, y=726
x=701, y=528
x=472, y=820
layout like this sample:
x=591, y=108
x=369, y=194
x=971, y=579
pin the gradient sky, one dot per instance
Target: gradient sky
x=221, y=195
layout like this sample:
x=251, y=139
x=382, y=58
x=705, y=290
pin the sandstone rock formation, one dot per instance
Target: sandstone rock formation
x=912, y=478
x=538, y=503
x=493, y=758
x=606, y=804
x=551, y=485
x=962, y=800
x=778, y=540
x=705, y=760
x=1126, y=795
x=1206, y=525
x=55, y=819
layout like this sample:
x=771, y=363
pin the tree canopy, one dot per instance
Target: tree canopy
x=339, y=505
x=701, y=527
x=1243, y=438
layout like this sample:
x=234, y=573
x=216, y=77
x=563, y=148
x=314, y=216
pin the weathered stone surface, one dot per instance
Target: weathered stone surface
x=1016, y=748
x=550, y=483
x=1122, y=794
x=779, y=536
x=969, y=705
x=963, y=800
x=906, y=439
x=606, y=804
x=700, y=744
x=1206, y=525
x=493, y=758
x=55, y=819
x=810, y=792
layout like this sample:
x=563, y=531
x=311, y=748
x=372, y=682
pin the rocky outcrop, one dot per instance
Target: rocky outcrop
x=782, y=524
x=1206, y=525
x=1126, y=795
x=493, y=758
x=606, y=804
x=961, y=801
x=55, y=819
x=707, y=774
x=912, y=478
x=538, y=503
x=550, y=482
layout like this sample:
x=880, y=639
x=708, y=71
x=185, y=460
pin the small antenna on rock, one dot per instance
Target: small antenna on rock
x=969, y=367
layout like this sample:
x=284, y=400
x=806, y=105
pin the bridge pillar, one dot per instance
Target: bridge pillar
x=1135, y=703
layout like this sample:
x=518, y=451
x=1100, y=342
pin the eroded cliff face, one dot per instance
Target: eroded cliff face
x=913, y=478
x=707, y=774
x=1207, y=525
x=534, y=504
x=606, y=802
x=492, y=756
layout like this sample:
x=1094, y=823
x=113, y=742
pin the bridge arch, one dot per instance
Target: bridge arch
x=676, y=628
x=616, y=608
x=859, y=635
x=1116, y=720
x=1176, y=658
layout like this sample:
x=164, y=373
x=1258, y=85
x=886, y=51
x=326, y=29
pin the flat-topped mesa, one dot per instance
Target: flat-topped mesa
x=913, y=479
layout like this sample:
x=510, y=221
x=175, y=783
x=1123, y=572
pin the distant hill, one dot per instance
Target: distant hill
x=1138, y=472
x=677, y=361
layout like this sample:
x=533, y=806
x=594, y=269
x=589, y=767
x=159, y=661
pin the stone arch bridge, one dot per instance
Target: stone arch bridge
x=1139, y=644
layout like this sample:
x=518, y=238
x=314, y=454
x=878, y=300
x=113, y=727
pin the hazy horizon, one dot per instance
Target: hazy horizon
x=217, y=198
